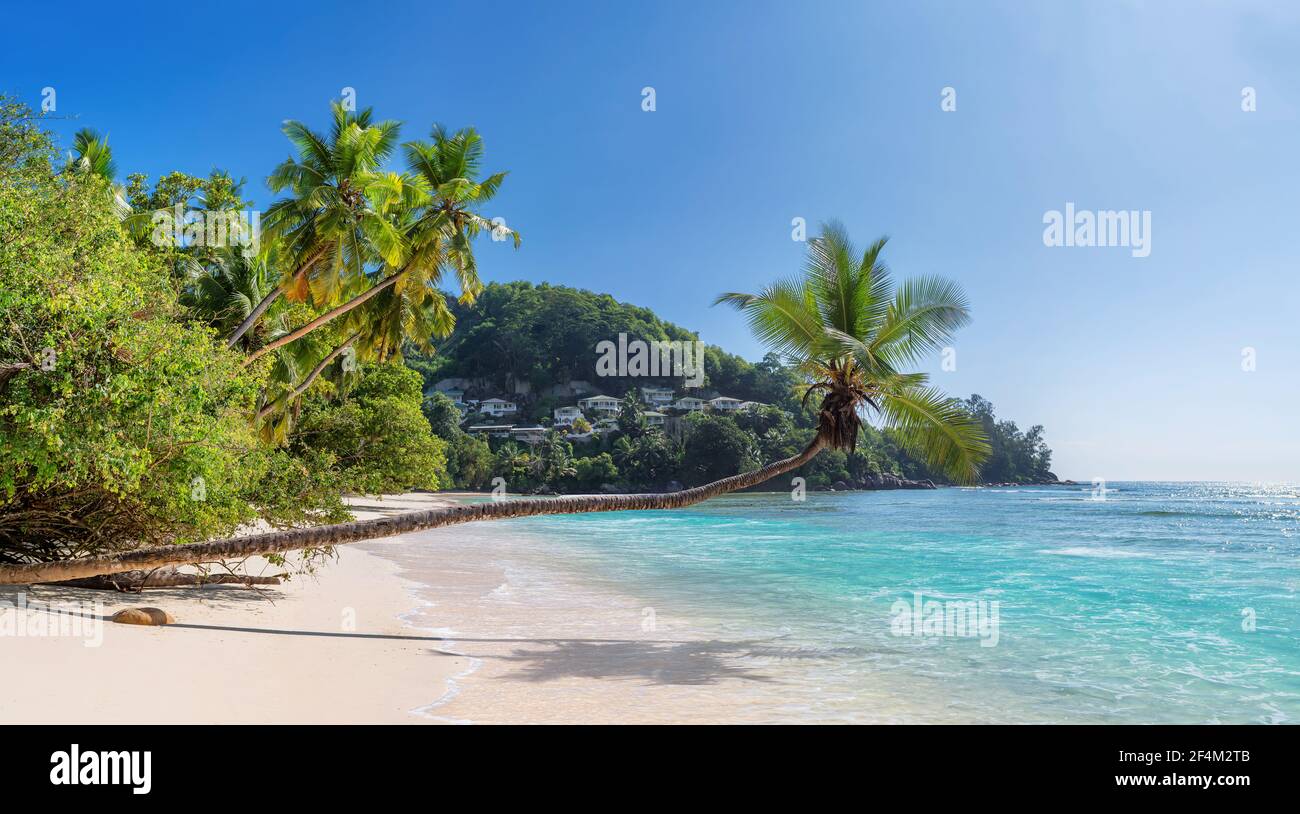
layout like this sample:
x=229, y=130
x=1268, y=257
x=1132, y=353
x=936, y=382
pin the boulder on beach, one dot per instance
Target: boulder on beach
x=143, y=616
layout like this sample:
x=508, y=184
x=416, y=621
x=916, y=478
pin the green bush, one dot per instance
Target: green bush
x=120, y=423
x=377, y=435
x=469, y=461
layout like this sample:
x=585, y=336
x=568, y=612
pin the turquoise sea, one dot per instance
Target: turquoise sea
x=1152, y=602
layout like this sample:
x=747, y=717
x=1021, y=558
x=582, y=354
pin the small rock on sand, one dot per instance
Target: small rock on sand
x=143, y=616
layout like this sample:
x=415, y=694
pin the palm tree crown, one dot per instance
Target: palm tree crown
x=851, y=331
x=93, y=155
x=327, y=222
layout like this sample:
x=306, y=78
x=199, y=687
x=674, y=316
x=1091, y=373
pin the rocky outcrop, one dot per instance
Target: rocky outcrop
x=881, y=482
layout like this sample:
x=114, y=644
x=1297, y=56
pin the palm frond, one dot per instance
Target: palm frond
x=937, y=428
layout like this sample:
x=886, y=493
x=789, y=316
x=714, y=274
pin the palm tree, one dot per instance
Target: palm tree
x=94, y=158
x=226, y=289
x=93, y=155
x=326, y=223
x=434, y=207
x=843, y=322
x=850, y=332
x=375, y=324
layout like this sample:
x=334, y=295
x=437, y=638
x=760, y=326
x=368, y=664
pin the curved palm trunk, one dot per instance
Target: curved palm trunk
x=340, y=533
x=325, y=317
x=254, y=316
x=270, y=298
x=311, y=377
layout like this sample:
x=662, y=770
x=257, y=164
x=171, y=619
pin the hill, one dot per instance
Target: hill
x=538, y=348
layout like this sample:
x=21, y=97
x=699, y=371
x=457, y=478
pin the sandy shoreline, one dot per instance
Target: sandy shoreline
x=326, y=648
x=479, y=623
x=436, y=627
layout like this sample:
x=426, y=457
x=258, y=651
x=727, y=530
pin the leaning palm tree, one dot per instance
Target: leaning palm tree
x=434, y=207
x=224, y=290
x=326, y=223
x=844, y=323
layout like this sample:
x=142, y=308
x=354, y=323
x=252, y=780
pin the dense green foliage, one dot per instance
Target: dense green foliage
x=544, y=335
x=375, y=434
x=125, y=420
x=1017, y=456
x=702, y=447
x=121, y=421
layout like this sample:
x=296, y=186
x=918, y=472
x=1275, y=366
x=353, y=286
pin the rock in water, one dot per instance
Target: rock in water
x=143, y=616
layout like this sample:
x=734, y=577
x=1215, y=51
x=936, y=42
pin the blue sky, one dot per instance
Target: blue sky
x=768, y=111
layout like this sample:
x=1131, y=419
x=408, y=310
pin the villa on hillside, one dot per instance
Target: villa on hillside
x=603, y=404
x=491, y=430
x=690, y=404
x=529, y=435
x=654, y=418
x=567, y=415
x=725, y=404
x=497, y=407
x=657, y=396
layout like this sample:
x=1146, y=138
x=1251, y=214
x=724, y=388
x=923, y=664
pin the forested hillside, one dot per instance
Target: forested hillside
x=520, y=339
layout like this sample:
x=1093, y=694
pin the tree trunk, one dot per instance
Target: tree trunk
x=10, y=369
x=254, y=316
x=311, y=377
x=325, y=317
x=293, y=540
x=136, y=581
x=272, y=297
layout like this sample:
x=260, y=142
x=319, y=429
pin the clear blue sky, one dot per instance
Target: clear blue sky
x=772, y=110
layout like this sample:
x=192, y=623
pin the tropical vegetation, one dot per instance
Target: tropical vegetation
x=170, y=374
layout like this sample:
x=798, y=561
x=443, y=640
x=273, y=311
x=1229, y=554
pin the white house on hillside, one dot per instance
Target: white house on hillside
x=497, y=407
x=689, y=403
x=654, y=418
x=657, y=396
x=529, y=435
x=567, y=415
x=604, y=404
x=493, y=430
x=725, y=404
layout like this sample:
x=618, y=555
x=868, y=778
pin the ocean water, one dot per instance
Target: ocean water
x=1155, y=602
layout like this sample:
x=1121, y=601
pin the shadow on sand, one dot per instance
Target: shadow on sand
x=536, y=660
x=685, y=663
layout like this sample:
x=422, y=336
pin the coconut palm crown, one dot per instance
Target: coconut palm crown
x=851, y=332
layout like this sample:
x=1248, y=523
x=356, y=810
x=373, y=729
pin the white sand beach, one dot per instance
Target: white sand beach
x=356, y=642
x=325, y=648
